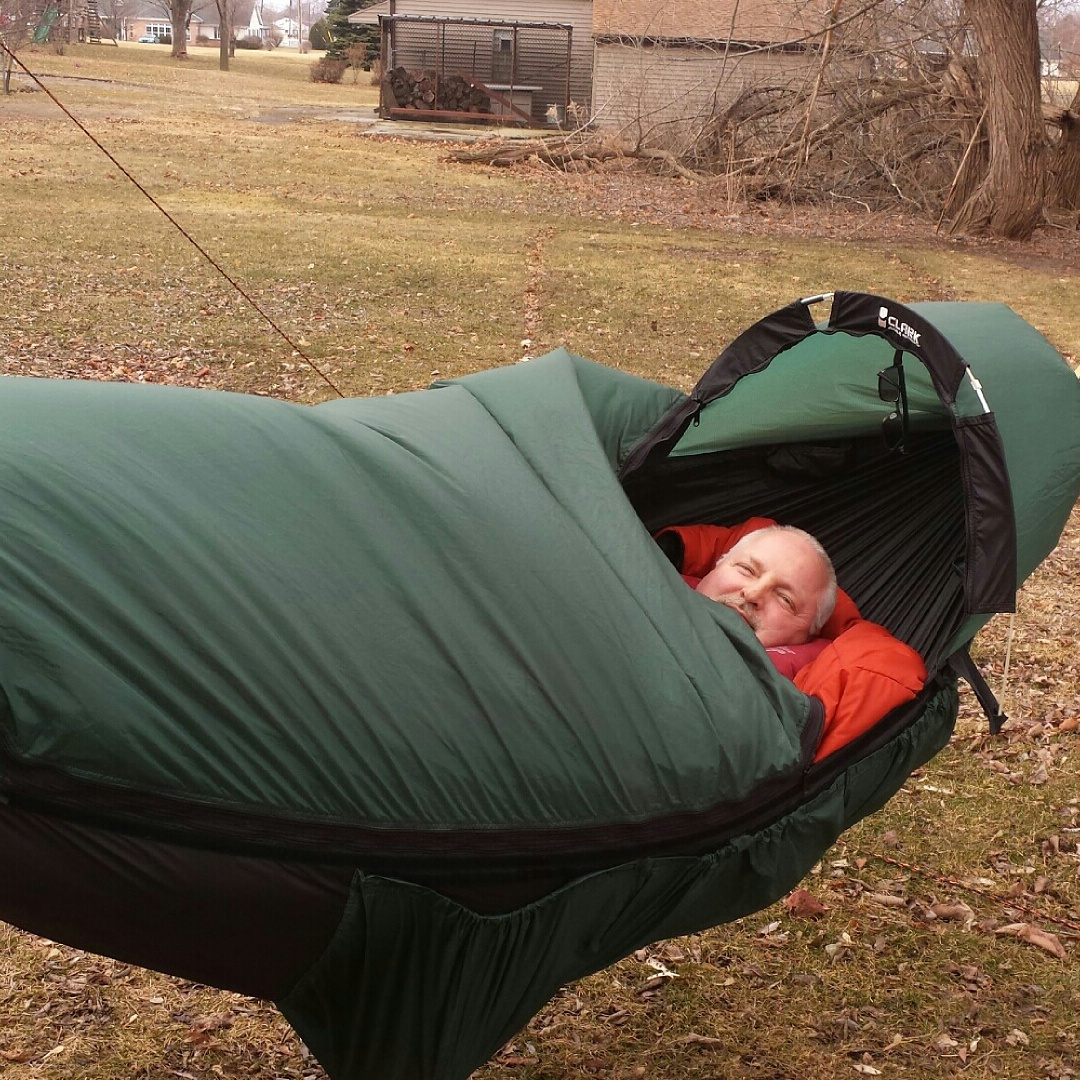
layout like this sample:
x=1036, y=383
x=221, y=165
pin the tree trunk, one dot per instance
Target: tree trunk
x=224, y=32
x=180, y=16
x=1009, y=200
x=1063, y=187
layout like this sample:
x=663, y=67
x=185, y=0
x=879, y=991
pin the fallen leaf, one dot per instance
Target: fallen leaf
x=694, y=1039
x=1034, y=936
x=803, y=905
x=945, y=1042
x=886, y=899
x=1044, y=940
x=958, y=912
x=16, y=1056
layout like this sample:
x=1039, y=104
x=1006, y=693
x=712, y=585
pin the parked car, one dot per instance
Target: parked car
x=149, y=39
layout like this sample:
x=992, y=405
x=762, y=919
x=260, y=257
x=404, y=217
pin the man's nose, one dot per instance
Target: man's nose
x=753, y=590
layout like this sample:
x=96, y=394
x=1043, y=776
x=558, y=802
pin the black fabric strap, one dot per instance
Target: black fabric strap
x=962, y=664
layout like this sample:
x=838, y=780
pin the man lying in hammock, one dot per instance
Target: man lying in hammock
x=782, y=583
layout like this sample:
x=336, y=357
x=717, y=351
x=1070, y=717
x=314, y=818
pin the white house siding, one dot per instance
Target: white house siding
x=653, y=90
x=576, y=13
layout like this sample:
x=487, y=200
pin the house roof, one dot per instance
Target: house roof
x=148, y=11
x=370, y=15
x=746, y=21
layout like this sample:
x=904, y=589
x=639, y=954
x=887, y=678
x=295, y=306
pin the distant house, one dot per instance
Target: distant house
x=659, y=62
x=488, y=40
x=150, y=19
x=247, y=22
x=289, y=30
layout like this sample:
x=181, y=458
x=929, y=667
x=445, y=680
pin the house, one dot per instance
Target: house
x=247, y=21
x=143, y=20
x=289, y=31
x=151, y=19
x=534, y=55
x=660, y=62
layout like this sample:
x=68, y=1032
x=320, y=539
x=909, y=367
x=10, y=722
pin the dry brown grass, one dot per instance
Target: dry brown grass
x=389, y=266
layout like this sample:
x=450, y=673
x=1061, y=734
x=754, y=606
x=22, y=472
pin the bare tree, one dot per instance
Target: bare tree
x=180, y=18
x=17, y=18
x=1063, y=183
x=1008, y=199
x=226, y=10
x=933, y=106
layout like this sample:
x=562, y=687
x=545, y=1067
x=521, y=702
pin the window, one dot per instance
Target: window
x=502, y=56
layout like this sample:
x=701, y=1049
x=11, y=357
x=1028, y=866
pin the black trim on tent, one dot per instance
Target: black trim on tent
x=990, y=572
x=989, y=565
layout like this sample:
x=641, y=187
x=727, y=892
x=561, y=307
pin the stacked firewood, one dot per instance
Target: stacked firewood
x=428, y=90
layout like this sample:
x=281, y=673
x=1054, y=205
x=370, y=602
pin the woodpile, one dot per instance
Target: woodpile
x=428, y=90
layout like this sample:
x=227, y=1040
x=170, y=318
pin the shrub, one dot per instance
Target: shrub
x=249, y=43
x=326, y=70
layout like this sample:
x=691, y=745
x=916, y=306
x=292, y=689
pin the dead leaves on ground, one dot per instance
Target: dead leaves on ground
x=854, y=915
x=69, y=1013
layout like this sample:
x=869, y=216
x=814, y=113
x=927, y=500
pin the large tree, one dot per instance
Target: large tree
x=1007, y=199
x=180, y=18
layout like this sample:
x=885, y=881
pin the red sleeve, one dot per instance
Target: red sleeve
x=704, y=544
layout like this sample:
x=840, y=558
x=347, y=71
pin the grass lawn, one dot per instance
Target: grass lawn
x=386, y=265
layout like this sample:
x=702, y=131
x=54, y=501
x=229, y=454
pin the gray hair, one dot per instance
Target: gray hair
x=828, y=596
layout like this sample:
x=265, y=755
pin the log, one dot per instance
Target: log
x=427, y=90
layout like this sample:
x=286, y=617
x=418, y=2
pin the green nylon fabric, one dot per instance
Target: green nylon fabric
x=468, y=982
x=432, y=611
x=1035, y=398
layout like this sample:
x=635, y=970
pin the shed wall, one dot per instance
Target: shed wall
x=578, y=13
x=653, y=88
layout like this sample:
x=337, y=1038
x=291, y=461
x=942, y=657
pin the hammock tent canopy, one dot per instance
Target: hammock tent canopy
x=392, y=711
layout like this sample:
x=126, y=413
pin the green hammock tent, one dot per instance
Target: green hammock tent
x=392, y=711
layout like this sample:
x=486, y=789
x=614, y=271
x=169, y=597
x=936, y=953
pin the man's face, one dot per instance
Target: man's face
x=774, y=580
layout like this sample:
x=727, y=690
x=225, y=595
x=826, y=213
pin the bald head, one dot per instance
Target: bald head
x=780, y=580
